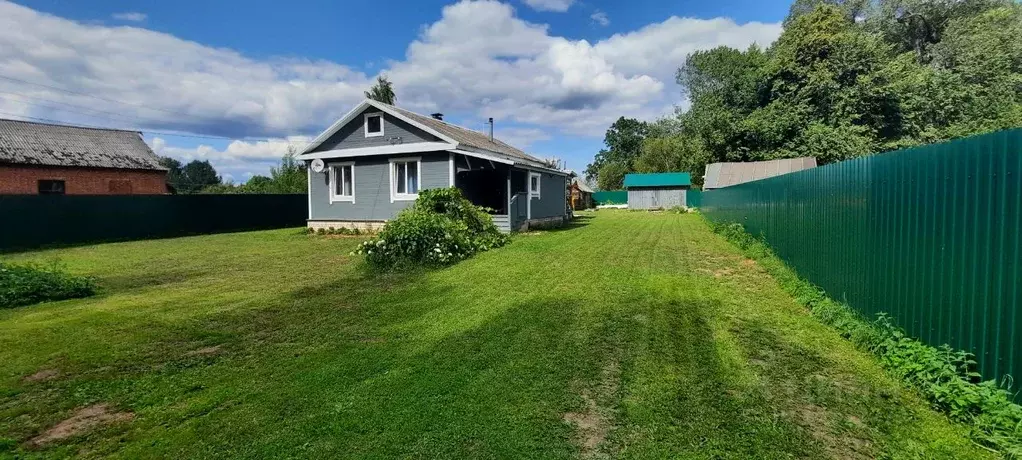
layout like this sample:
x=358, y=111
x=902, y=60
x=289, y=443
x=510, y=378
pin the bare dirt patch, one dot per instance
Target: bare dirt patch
x=590, y=426
x=205, y=351
x=84, y=420
x=42, y=375
x=593, y=423
x=817, y=420
x=722, y=272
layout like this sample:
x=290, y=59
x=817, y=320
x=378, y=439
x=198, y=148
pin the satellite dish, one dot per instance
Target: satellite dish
x=317, y=165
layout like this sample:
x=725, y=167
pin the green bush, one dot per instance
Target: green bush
x=29, y=284
x=441, y=228
x=946, y=377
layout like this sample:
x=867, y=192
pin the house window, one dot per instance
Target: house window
x=51, y=187
x=404, y=179
x=534, y=183
x=373, y=124
x=342, y=182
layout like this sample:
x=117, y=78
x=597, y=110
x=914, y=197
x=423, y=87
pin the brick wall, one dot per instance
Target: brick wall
x=20, y=180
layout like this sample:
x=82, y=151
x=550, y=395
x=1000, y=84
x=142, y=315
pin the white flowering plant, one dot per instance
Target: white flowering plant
x=441, y=228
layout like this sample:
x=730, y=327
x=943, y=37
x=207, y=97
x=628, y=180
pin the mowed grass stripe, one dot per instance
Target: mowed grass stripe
x=629, y=335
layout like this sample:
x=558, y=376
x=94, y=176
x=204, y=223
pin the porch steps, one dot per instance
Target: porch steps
x=503, y=222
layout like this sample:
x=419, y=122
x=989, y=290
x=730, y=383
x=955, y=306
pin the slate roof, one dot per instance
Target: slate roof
x=30, y=143
x=467, y=137
x=674, y=179
x=720, y=175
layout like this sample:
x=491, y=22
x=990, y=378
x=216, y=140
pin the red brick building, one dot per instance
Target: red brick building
x=37, y=158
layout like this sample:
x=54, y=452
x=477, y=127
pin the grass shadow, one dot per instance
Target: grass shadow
x=148, y=279
x=690, y=400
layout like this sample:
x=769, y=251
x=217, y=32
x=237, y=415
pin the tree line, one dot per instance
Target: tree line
x=846, y=78
x=201, y=177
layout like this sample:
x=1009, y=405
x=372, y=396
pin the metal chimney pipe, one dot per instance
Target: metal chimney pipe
x=491, y=129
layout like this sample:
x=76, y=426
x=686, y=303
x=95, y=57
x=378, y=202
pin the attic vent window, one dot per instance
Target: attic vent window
x=374, y=124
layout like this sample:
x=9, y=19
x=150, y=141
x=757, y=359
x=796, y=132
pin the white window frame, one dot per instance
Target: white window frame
x=394, y=196
x=365, y=124
x=539, y=184
x=334, y=169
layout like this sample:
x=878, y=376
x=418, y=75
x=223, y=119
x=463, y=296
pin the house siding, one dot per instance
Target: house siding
x=24, y=180
x=372, y=187
x=553, y=200
x=395, y=131
x=656, y=197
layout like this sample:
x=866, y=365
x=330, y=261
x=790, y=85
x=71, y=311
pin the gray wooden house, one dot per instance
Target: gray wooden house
x=657, y=190
x=377, y=157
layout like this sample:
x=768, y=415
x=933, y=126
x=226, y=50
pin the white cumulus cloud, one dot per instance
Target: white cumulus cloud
x=478, y=60
x=132, y=16
x=559, y=6
x=600, y=18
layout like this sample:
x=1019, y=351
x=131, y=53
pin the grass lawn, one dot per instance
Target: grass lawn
x=629, y=335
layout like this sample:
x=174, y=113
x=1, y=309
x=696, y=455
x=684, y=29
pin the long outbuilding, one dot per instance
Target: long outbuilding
x=720, y=175
x=657, y=190
x=48, y=159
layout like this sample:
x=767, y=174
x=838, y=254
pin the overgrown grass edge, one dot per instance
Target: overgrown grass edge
x=27, y=284
x=944, y=376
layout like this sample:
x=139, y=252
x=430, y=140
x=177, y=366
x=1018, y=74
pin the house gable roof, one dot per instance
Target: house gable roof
x=720, y=175
x=460, y=138
x=673, y=179
x=31, y=143
x=468, y=138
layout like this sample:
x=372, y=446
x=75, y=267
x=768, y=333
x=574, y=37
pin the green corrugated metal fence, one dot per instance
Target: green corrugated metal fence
x=611, y=197
x=31, y=221
x=694, y=198
x=929, y=235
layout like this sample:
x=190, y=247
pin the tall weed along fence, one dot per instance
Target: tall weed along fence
x=30, y=221
x=929, y=235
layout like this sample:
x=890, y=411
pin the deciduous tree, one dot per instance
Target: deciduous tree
x=382, y=91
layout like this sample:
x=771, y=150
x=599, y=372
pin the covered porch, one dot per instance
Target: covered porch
x=495, y=185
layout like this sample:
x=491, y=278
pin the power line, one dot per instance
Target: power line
x=164, y=133
x=67, y=91
x=148, y=131
x=18, y=80
x=110, y=119
x=120, y=116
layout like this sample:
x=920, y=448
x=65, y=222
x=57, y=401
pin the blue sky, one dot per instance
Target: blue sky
x=261, y=73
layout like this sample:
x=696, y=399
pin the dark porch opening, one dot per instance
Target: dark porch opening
x=484, y=187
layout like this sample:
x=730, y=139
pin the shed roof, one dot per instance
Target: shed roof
x=31, y=143
x=720, y=175
x=672, y=179
x=582, y=185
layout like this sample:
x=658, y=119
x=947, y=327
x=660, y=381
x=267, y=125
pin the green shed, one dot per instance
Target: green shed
x=657, y=190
